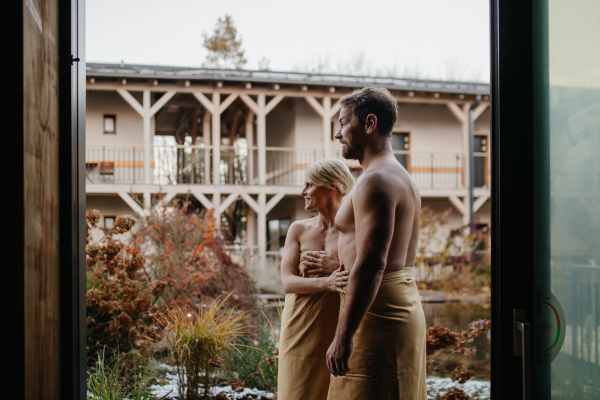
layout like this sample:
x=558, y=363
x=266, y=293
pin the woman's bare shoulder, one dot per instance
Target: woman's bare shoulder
x=300, y=226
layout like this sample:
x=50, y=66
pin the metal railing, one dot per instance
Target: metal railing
x=187, y=164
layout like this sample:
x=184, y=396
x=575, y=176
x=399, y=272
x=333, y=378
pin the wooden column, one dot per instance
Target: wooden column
x=194, y=135
x=250, y=228
x=326, y=125
x=216, y=155
x=262, y=227
x=250, y=143
x=146, y=111
x=147, y=137
x=206, y=139
x=261, y=139
x=462, y=115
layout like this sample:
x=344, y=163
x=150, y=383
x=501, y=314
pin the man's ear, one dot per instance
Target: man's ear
x=371, y=123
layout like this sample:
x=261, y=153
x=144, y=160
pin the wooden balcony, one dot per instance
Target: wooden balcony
x=238, y=165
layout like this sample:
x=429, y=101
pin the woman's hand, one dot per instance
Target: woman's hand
x=337, y=280
x=324, y=262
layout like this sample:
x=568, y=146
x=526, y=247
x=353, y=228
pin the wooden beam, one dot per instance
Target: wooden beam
x=457, y=112
x=249, y=102
x=203, y=199
x=162, y=101
x=480, y=109
x=315, y=105
x=480, y=201
x=250, y=201
x=165, y=200
x=206, y=103
x=273, y=202
x=132, y=203
x=227, y=102
x=228, y=201
x=458, y=205
x=274, y=101
x=132, y=101
x=335, y=108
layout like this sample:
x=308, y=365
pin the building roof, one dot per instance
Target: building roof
x=272, y=77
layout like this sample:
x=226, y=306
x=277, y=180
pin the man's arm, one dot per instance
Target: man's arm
x=374, y=205
x=292, y=283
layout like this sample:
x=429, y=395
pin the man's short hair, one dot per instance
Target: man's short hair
x=373, y=100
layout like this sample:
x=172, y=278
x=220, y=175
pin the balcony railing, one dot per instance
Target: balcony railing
x=186, y=164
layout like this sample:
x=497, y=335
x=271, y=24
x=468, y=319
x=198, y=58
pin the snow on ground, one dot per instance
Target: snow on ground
x=170, y=390
x=438, y=386
x=476, y=390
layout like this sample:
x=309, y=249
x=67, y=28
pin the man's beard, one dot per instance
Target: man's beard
x=348, y=153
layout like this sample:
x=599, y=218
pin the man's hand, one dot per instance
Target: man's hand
x=338, y=356
x=322, y=261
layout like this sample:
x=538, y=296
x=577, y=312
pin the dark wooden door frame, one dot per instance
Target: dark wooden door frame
x=516, y=186
x=72, y=199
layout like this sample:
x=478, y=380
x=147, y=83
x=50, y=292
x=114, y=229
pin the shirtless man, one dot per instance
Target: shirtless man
x=379, y=347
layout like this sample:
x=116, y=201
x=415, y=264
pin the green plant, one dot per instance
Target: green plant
x=197, y=341
x=122, y=377
x=254, y=363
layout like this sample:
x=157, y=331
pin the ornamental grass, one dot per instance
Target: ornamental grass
x=198, y=341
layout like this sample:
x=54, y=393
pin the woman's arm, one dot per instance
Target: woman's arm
x=292, y=283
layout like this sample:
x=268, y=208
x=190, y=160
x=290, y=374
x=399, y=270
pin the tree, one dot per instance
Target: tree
x=224, y=46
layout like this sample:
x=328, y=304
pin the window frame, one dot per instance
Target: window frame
x=104, y=117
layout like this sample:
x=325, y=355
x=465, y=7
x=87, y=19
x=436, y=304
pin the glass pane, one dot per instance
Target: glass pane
x=400, y=141
x=574, y=141
x=109, y=124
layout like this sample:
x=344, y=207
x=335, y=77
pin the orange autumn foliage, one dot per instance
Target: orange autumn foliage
x=183, y=248
x=117, y=303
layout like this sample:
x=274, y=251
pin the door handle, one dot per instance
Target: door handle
x=522, y=336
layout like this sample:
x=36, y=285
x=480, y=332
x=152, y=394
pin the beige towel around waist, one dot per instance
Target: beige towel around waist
x=388, y=357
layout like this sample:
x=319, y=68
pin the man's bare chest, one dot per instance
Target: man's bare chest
x=344, y=219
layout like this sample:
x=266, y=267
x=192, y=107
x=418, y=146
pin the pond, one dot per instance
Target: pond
x=456, y=316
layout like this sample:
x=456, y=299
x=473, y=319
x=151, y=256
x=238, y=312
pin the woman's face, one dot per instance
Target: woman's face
x=315, y=197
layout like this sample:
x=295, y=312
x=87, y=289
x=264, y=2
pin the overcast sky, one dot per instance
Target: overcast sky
x=437, y=39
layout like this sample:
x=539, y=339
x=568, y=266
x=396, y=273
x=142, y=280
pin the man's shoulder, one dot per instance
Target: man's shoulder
x=301, y=225
x=386, y=180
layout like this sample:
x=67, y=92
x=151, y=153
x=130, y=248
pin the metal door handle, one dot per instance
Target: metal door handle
x=523, y=350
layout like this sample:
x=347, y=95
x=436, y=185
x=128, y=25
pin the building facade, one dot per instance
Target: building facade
x=240, y=140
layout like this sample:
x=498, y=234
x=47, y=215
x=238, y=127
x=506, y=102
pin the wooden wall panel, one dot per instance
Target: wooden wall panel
x=40, y=175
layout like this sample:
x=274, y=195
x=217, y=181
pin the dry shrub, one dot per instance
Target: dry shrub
x=198, y=341
x=454, y=394
x=117, y=304
x=183, y=248
x=439, y=338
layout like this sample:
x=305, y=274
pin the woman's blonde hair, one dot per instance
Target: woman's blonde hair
x=325, y=172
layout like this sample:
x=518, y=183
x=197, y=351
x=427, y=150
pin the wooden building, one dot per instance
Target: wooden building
x=230, y=136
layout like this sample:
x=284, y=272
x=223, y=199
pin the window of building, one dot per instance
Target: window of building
x=109, y=222
x=110, y=124
x=401, y=147
x=480, y=160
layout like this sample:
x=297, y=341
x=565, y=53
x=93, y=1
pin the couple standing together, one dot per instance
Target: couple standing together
x=353, y=326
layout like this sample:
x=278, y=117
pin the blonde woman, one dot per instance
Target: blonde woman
x=312, y=280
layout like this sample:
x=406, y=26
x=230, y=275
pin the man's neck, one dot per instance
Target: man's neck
x=375, y=152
